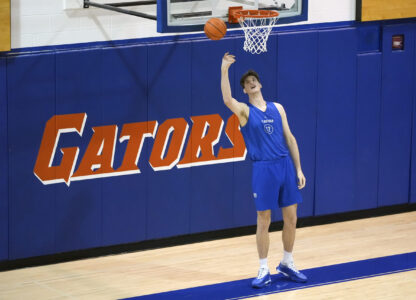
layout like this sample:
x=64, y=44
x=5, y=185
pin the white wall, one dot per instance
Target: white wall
x=56, y=22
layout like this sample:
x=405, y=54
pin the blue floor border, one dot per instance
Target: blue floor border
x=241, y=289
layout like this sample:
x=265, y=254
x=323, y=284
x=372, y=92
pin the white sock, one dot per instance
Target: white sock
x=287, y=258
x=263, y=263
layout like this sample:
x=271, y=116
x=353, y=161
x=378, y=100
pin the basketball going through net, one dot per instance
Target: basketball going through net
x=257, y=25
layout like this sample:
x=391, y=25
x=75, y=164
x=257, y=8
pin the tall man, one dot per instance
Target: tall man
x=275, y=182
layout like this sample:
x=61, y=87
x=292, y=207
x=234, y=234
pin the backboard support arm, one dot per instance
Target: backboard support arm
x=117, y=7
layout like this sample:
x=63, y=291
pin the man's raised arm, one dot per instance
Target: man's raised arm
x=238, y=108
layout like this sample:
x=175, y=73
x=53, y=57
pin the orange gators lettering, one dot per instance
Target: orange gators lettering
x=238, y=151
x=135, y=133
x=170, y=138
x=174, y=130
x=205, y=134
x=99, y=156
x=56, y=125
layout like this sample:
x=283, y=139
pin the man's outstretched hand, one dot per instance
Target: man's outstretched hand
x=227, y=61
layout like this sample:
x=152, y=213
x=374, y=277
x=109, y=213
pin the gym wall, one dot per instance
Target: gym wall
x=58, y=22
x=348, y=96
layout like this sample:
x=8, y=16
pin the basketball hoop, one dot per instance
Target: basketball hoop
x=257, y=25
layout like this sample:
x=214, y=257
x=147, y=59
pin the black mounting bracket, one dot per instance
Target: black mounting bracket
x=116, y=7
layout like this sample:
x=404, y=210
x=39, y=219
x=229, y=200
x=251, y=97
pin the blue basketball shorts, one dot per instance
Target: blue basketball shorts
x=275, y=182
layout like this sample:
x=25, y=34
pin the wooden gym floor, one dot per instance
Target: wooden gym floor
x=173, y=268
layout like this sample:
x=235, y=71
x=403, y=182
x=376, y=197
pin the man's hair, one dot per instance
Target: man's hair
x=246, y=74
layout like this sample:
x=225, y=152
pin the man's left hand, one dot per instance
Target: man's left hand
x=301, y=180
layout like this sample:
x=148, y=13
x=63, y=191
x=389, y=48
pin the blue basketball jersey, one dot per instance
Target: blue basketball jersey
x=263, y=134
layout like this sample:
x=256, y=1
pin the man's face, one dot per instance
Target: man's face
x=251, y=85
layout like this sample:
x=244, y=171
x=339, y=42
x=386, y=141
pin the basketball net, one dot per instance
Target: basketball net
x=257, y=26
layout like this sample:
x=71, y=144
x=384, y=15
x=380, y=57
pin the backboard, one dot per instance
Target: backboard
x=191, y=15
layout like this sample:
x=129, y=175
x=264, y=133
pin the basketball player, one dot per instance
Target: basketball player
x=269, y=142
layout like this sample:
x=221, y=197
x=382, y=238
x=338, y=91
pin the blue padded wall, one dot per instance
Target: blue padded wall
x=413, y=159
x=348, y=105
x=413, y=166
x=124, y=197
x=367, y=130
x=212, y=203
x=169, y=96
x=335, y=142
x=4, y=205
x=368, y=37
x=78, y=209
x=396, y=115
x=31, y=95
x=297, y=67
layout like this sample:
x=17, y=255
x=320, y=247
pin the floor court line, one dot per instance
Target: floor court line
x=326, y=275
x=321, y=284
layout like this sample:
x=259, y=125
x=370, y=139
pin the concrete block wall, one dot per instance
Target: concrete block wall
x=59, y=22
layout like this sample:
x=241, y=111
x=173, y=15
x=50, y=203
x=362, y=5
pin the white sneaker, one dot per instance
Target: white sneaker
x=263, y=278
x=291, y=272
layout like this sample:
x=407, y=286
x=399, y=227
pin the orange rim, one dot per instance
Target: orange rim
x=256, y=13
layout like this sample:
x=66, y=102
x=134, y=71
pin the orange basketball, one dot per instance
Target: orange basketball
x=215, y=29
